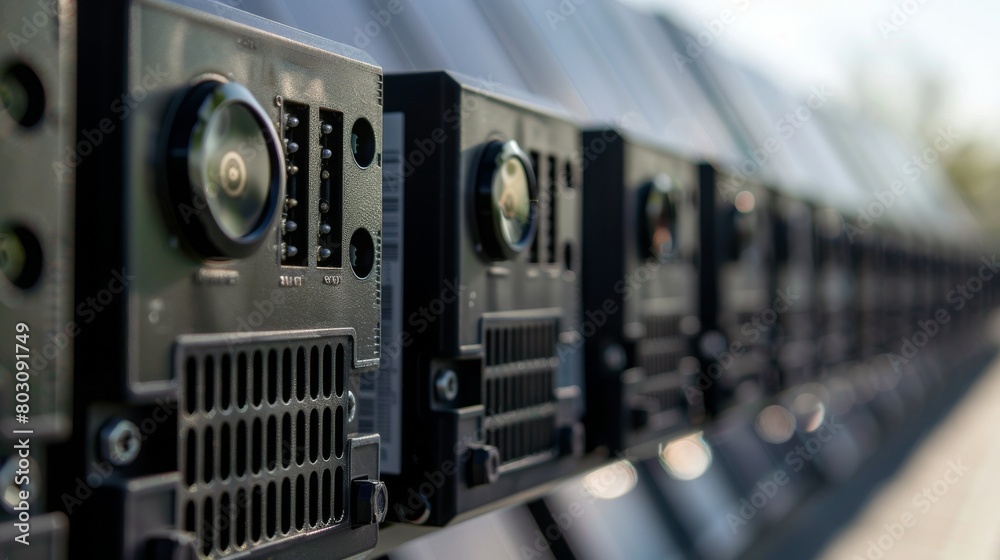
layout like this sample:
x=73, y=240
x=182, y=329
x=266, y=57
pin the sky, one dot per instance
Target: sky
x=803, y=43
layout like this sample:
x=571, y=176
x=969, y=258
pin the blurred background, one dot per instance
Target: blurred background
x=916, y=65
x=851, y=452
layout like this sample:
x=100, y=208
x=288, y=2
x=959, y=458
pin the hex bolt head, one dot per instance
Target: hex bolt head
x=483, y=465
x=120, y=441
x=371, y=502
x=446, y=385
x=352, y=406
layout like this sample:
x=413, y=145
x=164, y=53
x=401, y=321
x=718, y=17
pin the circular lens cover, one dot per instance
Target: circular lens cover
x=658, y=219
x=506, y=200
x=224, y=169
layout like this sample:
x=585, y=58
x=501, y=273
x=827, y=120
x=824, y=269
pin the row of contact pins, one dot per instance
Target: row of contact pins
x=328, y=247
x=294, y=233
x=289, y=251
x=323, y=251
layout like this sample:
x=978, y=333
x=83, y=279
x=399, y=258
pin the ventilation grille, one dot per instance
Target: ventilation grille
x=519, y=379
x=665, y=390
x=660, y=354
x=662, y=326
x=261, y=440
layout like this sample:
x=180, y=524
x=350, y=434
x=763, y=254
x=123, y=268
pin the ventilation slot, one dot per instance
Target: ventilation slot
x=256, y=470
x=661, y=355
x=520, y=379
x=533, y=253
x=552, y=203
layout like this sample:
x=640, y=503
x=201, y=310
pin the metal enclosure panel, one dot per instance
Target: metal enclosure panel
x=481, y=319
x=185, y=328
x=39, y=163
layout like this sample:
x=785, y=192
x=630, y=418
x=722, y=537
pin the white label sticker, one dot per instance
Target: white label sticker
x=381, y=403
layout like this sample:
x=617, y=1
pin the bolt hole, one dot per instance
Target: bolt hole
x=23, y=95
x=363, y=142
x=362, y=253
x=20, y=256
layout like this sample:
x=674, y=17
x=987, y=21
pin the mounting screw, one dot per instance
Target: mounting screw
x=120, y=441
x=371, y=502
x=446, y=385
x=483, y=464
x=352, y=406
